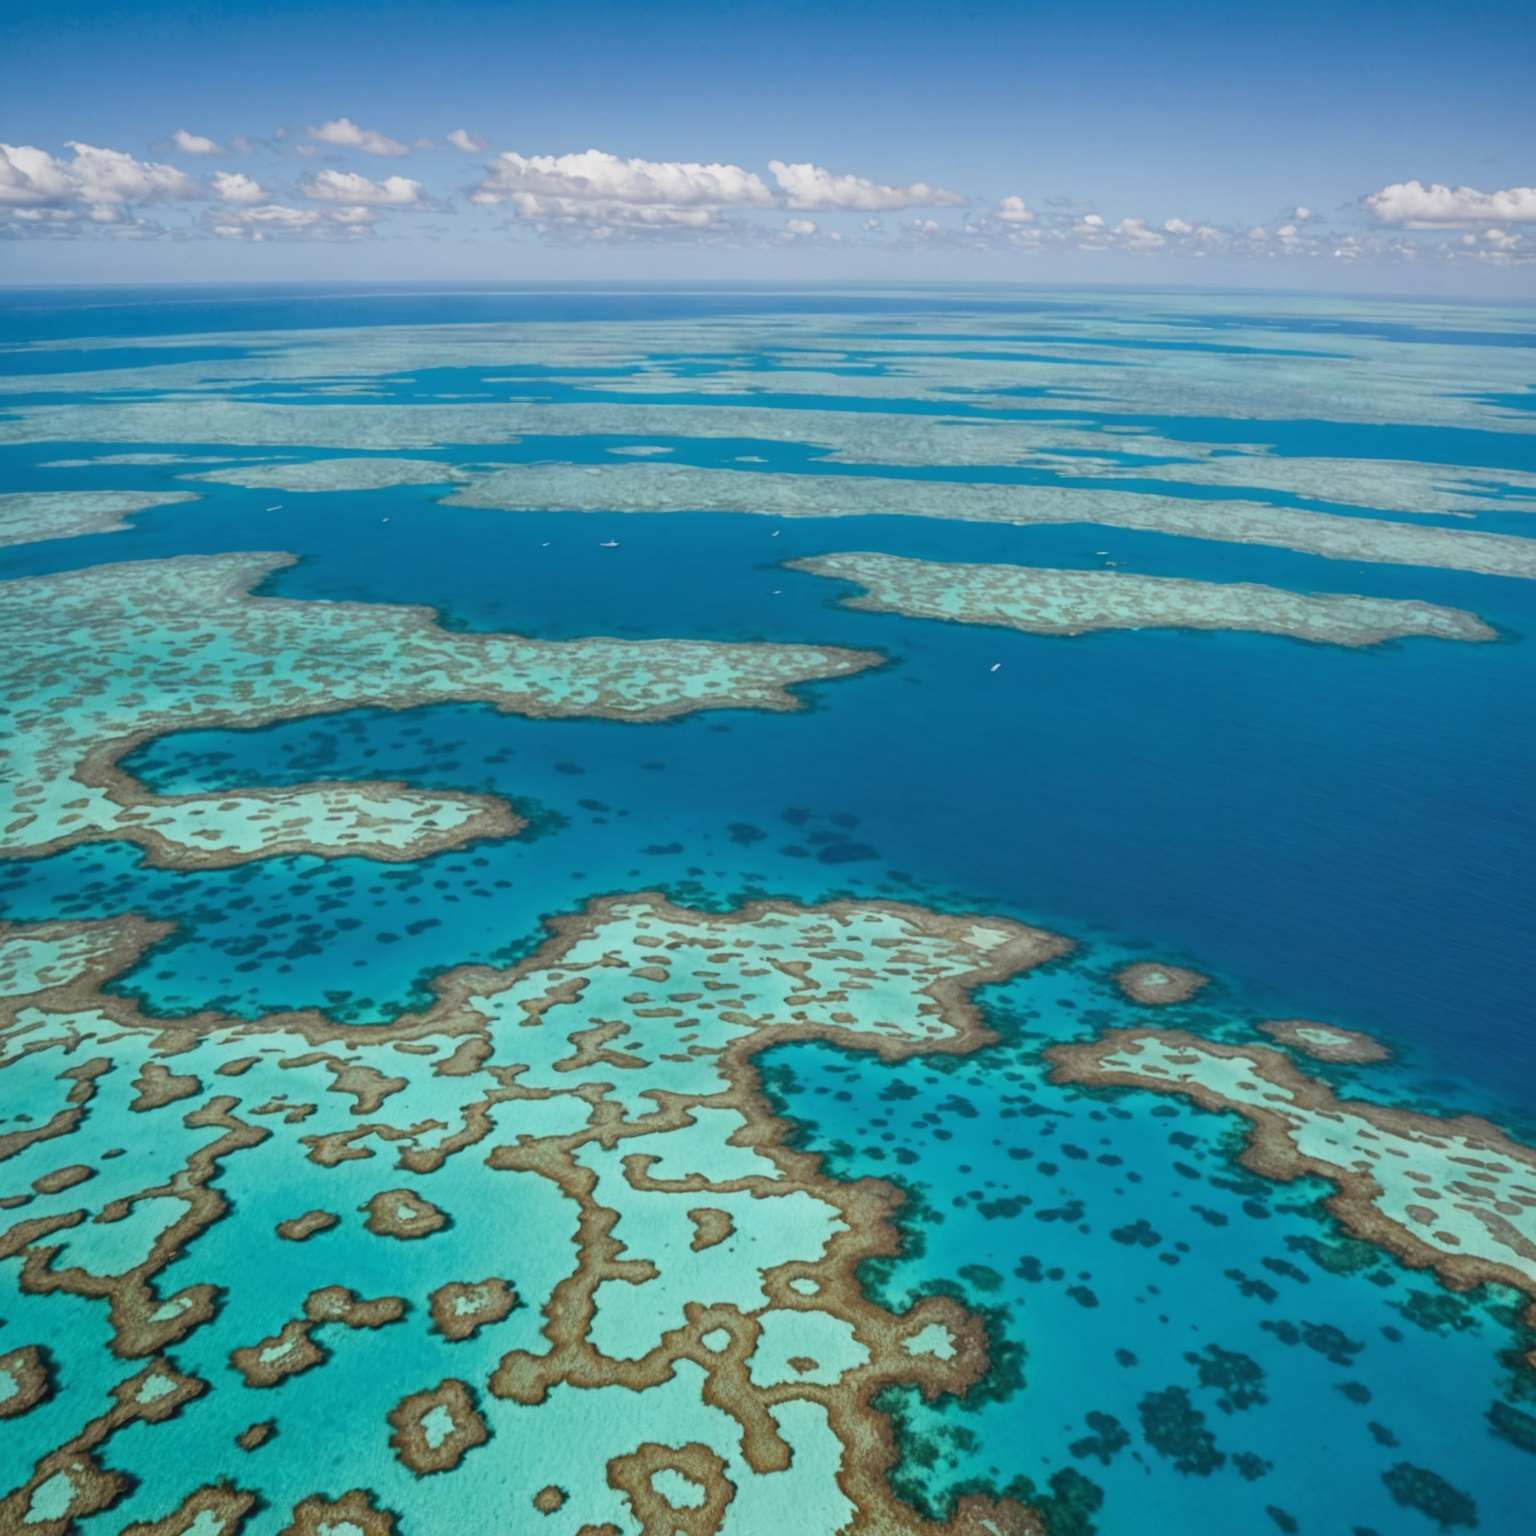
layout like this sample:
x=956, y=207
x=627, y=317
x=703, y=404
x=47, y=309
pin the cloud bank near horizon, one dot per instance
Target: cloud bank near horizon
x=594, y=195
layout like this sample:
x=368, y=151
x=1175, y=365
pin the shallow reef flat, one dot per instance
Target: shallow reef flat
x=1090, y=355
x=652, y=487
x=29, y=517
x=1390, y=389
x=1385, y=485
x=1065, y=447
x=849, y=436
x=99, y=660
x=335, y=475
x=1456, y=1196
x=1057, y=602
x=1071, y=449
x=848, y=1212
x=549, y=1238
x=1326, y=1042
x=557, y=1187
x=136, y=460
x=896, y=438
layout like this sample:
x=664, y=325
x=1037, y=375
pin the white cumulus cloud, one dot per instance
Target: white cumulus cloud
x=350, y=187
x=594, y=177
x=1013, y=210
x=234, y=187
x=575, y=210
x=1138, y=237
x=1413, y=204
x=811, y=186
x=194, y=143
x=470, y=143
x=94, y=176
x=345, y=134
x=800, y=227
x=276, y=220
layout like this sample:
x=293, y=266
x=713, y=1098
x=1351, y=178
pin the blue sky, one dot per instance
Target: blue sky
x=1019, y=141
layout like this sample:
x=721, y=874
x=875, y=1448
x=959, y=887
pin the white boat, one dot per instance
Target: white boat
x=277, y=508
x=996, y=665
x=609, y=544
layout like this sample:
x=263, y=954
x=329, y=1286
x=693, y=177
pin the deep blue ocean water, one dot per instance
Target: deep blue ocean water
x=1339, y=835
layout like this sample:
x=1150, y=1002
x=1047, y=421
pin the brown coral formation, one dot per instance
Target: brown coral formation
x=143, y=1323
x=254, y=1436
x=460, y=1310
x=70, y=1483
x=1326, y=1042
x=337, y=1304
x=319, y=1516
x=818, y=967
x=436, y=1429
x=710, y=1226
x=1446, y=1194
x=158, y=1086
x=225, y=1506
x=400, y=1213
x=1157, y=986
x=60, y=1179
x=31, y=1381
x=298, y=1229
x=120, y=672
x=272, y=1361
x=633, y=1475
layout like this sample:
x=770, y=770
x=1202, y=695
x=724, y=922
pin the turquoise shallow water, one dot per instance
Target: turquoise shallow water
x=1329, y=834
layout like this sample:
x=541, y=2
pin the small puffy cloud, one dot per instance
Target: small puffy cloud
x=350, y=187
x=1013, y=210
x=194, y=143
x=594, y=177
x=470, y=143
x=1178, y=227
x=575, y=210
x=112, y=176
x=273, y=215
x=233, y=187
x=277, y=221
x=69, y=215
x=95, y=177
x=1416, y=206
x=345, y=134
x=810, y=186
x=31, y=176
x=800, y=227
x=1136, y=236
